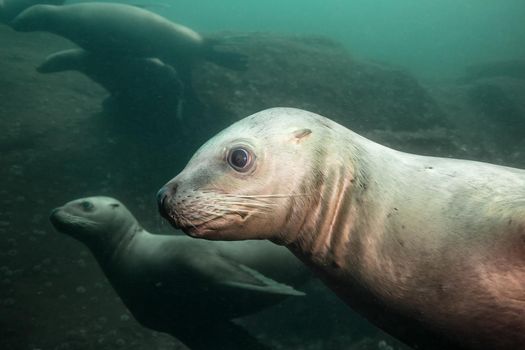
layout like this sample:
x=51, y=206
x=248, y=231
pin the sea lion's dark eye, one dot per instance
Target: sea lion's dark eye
x=87, y=206
x=240, y=159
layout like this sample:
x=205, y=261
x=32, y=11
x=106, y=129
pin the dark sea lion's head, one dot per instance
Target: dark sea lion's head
x=92, y=218
x=250, y=181
x=37, y=17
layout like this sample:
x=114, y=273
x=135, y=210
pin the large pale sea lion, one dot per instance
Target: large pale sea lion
x=125, y=30
x=188, y=288
x=431, y=250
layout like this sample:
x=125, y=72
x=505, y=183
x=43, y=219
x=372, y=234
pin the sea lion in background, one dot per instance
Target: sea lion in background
x=431, y=250
x=188, y=288
x=118, y=29
x=138, y=86
x=9, y=9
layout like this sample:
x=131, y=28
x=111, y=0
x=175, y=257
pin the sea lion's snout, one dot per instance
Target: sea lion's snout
x=56, y=219
x=179, y=213
x=53, y=214
x=162, y=199
x=28, y=19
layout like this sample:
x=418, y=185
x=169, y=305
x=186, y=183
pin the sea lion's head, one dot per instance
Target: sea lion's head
x=252, y=180
x=9, y=9
x=36, y=17
x=93, y=219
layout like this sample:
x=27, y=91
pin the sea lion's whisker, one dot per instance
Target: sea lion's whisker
x=240, y=210
x=253, y=200
x=185, y=221
x=250, y=204
x=211, y=213
x=261, y=196
x=254, y=196
x=246, y=205
x=244, y=198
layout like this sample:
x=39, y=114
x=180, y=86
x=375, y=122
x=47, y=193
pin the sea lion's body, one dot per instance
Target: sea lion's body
x=125, y=30
x=138, y=86
x=432, y=250
x=177, y=285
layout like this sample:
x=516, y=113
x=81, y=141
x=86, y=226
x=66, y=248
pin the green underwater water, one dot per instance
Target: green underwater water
x=394, y=71
x=433, y=39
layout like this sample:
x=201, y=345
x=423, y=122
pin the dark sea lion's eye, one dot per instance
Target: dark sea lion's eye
x=240, y=159
x=87, y=206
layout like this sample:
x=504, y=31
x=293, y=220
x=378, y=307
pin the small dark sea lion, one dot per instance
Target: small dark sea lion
x=138, y=86
x=174, y=284
x=125, y=30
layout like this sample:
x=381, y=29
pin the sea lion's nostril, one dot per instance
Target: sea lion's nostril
x=53, y=213
x=54, y=217
x=162, y=195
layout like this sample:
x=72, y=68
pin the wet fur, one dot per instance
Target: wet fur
x=431, y=250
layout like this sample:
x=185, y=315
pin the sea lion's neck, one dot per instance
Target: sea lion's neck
x=108, y=247
x=344, y=229
x=338, y=205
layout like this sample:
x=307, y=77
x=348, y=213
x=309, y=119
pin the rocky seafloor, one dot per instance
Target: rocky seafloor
x=56, y=145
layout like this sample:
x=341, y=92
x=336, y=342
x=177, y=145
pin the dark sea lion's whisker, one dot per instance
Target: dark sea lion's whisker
x=81, y=221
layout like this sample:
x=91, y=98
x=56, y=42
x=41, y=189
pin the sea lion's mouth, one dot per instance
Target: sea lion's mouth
x=67, y=223
x=202, y=229
x=211, y=227
x=57, y=220
x=196, y=230
x=202, y=214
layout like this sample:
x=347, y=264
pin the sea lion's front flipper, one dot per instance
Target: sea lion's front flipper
x=262, y=283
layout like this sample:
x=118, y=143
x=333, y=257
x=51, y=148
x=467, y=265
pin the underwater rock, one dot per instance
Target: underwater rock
x=509, y=68
x=501, y=103
x=80, y=289
x=12, y=252
x=318, y=75
x=9, y=301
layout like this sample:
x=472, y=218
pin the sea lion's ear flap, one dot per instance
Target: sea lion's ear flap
x=301, y=134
